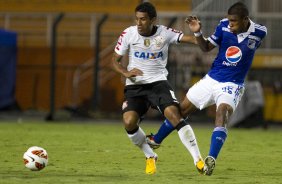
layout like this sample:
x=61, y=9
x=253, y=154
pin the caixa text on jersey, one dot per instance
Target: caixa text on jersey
x=148, y=55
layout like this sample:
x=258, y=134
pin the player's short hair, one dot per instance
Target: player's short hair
x=239, y=9
x=147, y=7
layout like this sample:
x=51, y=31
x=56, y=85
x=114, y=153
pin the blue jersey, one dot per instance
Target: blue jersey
x=236, y=51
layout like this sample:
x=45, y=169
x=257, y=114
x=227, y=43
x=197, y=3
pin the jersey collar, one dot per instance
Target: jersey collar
x=244, y=35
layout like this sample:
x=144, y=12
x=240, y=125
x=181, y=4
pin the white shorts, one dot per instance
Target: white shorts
x=208, y=91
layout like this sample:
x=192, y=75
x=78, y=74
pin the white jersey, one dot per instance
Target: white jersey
x=148, y=54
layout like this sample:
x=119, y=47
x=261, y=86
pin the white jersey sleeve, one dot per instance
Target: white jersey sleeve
x=174, y=35
x=122, y=44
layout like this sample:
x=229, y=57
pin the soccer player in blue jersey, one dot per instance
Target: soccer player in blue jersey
x=237, y=37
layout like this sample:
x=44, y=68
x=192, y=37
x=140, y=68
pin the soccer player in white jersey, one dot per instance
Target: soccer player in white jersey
x=237, y=37
x=146, y=81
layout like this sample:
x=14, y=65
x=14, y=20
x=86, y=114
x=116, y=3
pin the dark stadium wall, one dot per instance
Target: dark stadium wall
x=90, y=6
x=33, y=79
x=34, y=76
x=8, y=61
x=97, y=6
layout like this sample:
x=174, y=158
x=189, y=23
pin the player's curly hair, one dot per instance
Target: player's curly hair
x=239, y=9
x=147, y=8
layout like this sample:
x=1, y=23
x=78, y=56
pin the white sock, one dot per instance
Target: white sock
x=139, y=139
x=187, y=137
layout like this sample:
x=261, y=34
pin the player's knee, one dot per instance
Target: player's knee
x=130, y=121
x=129, y=124
x=223, y=112
x=187, y=107
x=225, y=109
x=173, y=115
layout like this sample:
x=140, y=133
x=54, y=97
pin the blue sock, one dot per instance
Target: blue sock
x=217, y=140
x=165, y=129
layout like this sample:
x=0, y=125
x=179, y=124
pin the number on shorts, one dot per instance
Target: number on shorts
x=228, y=89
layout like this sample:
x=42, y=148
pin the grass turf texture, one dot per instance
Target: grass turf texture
x=102, y=153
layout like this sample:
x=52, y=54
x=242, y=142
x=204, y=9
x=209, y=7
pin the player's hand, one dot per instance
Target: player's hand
x=193, y=23
x=133, y=73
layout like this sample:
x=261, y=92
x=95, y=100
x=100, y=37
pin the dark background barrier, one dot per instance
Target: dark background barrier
x=8, y=61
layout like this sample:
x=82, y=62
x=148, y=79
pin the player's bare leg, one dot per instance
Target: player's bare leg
x=187, y=107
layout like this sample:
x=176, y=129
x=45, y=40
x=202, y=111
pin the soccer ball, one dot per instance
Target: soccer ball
x=35, y=158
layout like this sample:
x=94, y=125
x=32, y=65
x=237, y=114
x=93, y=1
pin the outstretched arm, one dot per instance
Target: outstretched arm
x=117, y=67
x=195, y=26
x=188, y=39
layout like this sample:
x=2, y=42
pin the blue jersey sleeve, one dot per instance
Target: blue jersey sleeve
x=262, y=32
x=216, y=37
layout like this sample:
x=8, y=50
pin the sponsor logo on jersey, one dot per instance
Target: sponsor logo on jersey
x=148, y=55
x=233, y=54
x=251, y=44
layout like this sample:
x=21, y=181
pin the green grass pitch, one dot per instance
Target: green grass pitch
x=102, y=153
